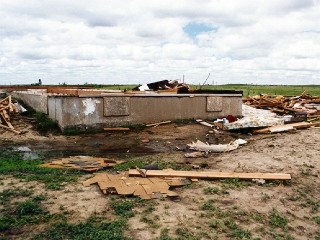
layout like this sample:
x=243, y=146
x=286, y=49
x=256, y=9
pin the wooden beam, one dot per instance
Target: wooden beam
x=211, y=175
x=116, y=129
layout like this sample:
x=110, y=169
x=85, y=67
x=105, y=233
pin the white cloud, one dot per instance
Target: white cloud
x=113, y=42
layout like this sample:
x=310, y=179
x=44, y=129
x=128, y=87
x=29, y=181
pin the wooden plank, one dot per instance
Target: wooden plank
x=211, y=175
x=157, y=124
x=116, y=129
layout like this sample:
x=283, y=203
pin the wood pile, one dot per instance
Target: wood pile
x=7, y=108
x=284, y=105
x=82, y=163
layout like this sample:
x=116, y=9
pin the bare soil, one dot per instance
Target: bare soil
x=248, y=204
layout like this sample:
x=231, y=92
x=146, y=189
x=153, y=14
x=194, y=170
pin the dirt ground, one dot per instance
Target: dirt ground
x=248, y=204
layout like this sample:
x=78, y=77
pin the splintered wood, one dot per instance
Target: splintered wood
x=145, y=188
x=7, y=107
x=83, y=163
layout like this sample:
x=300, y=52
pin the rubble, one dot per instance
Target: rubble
x=287, y=105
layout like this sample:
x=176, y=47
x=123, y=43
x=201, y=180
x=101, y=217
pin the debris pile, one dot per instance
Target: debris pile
x=145, y=188
x=149, y=184
x=164, y=85
x=310, y=105
x=83, y=163
x=6, y=108
x=254, y=118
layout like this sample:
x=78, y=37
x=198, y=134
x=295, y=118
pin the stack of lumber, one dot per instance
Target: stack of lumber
x=287, y=105
x=6, y=108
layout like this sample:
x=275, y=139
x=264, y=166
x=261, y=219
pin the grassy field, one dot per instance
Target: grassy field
x=287, y=90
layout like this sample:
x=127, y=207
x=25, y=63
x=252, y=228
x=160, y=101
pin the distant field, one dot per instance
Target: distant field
x=247, y=89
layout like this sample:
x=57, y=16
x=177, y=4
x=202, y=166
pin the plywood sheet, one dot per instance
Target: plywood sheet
x=143, y=187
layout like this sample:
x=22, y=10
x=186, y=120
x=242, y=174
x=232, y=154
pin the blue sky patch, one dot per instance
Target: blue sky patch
x=192, y=29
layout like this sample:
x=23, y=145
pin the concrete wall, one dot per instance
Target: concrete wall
x=111, y=110
x=37, y=99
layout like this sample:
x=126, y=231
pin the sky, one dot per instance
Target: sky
x=140, y=41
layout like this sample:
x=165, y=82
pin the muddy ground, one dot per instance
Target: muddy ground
x=205, y=209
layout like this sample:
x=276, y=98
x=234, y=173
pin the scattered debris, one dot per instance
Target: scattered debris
x=83, y=163
x=7, y=107
x=210, y=175
x=157, y=124
x=145, y=188
x=205, y=147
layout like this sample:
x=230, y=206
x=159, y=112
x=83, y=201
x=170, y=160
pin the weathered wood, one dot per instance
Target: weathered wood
x=211, y=175
x=117, y=129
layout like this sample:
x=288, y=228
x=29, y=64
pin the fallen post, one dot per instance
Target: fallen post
x=210, y=175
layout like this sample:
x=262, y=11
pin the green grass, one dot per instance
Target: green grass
x=123, y=207
x=232, y=183
x=45, y=124
x=139, y=162
x=14, y=215
x=94, y=228
x=12, y=163
x=277, y=220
